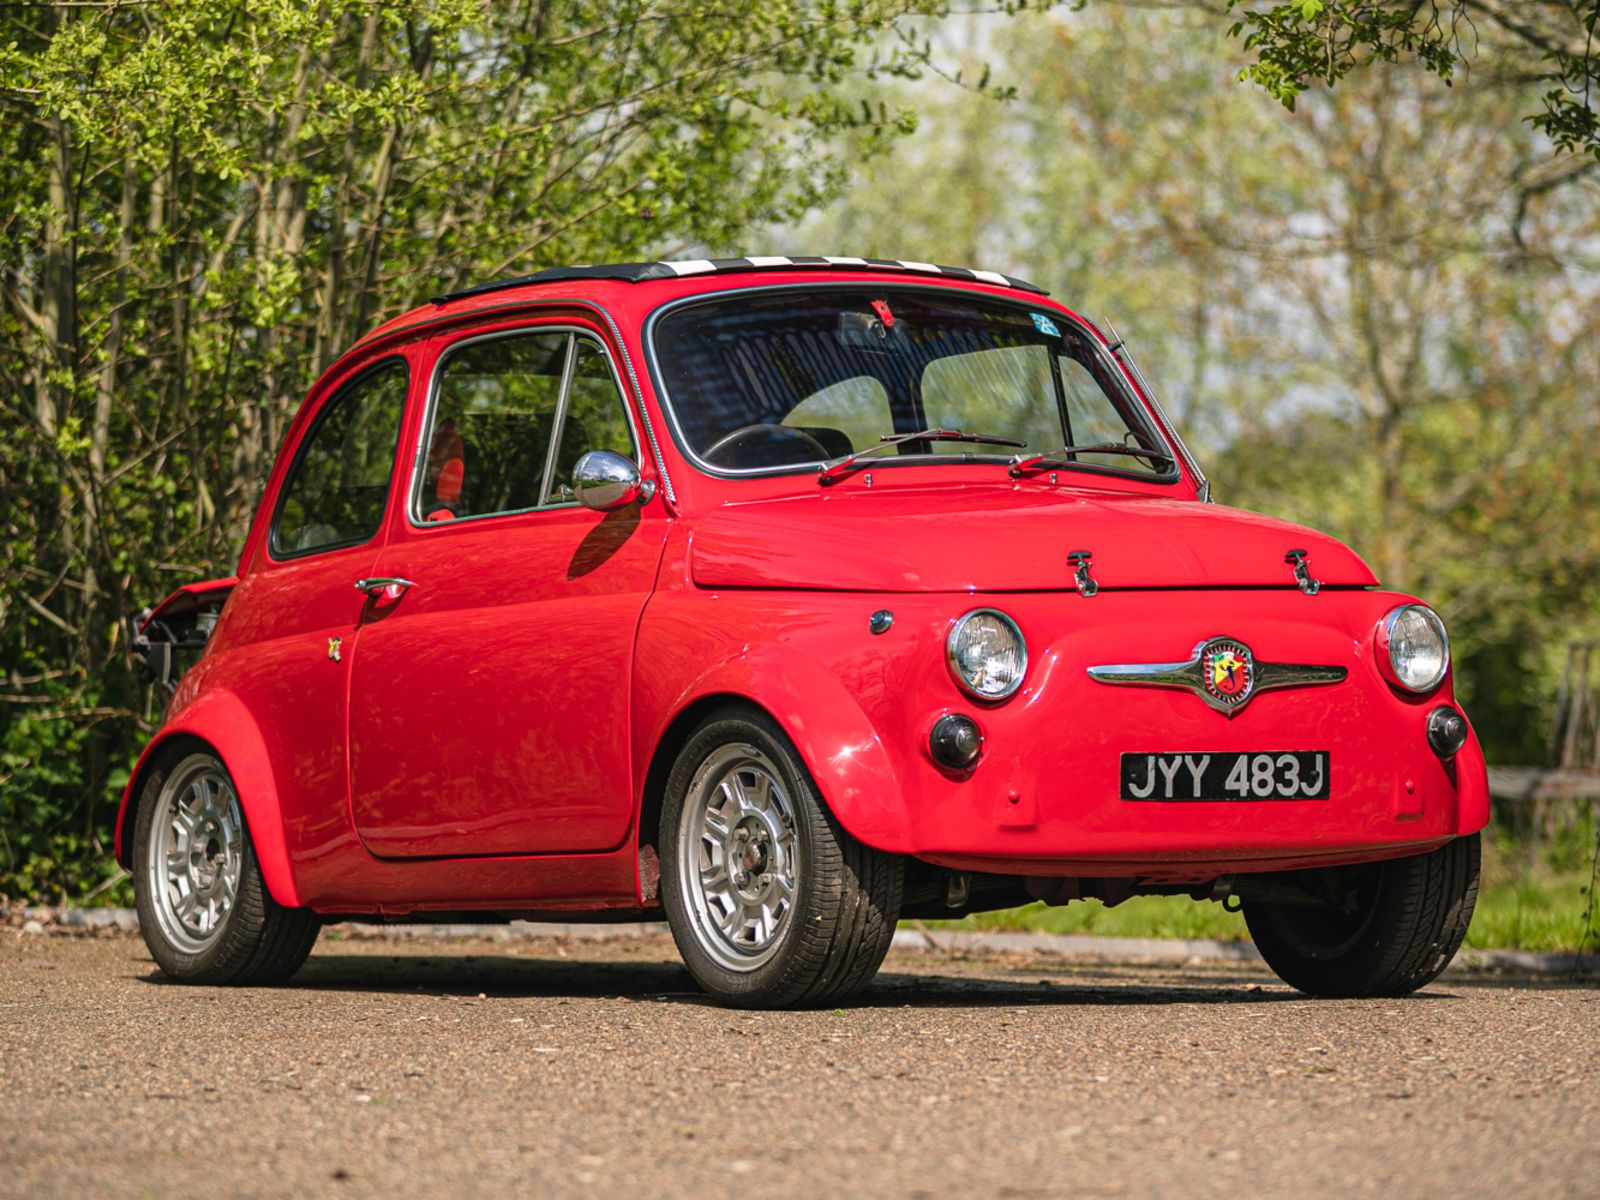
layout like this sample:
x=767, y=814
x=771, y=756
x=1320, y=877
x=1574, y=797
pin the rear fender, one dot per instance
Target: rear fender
x=836, y=741
x=222, y=722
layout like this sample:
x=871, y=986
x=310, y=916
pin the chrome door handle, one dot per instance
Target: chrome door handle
x=381, y=584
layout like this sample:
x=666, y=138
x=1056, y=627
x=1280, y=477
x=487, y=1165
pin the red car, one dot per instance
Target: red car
x=787, y=598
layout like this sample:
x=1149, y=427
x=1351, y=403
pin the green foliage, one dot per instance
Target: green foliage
x=52, y=845
x=204, y=203
x=1310, y=41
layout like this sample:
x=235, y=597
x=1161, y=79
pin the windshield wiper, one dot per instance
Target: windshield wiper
x=845, y=463
x=1058, y=457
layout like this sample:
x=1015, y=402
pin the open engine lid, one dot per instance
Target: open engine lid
x=190, y=599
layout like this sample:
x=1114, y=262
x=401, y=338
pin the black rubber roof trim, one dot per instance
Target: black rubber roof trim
x=641, y=272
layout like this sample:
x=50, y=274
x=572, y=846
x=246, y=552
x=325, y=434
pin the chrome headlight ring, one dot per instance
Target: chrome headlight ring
x=987, y=654
x=1413, y=648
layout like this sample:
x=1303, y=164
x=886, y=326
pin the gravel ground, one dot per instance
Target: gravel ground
x=570, y=1067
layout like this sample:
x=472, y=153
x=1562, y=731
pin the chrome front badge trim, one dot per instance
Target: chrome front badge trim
x=1223, y=672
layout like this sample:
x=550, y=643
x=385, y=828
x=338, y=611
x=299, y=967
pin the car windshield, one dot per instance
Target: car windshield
x=789, y=379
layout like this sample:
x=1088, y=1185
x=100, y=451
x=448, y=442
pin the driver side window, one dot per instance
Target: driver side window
x=494, y=413
x=511, y=416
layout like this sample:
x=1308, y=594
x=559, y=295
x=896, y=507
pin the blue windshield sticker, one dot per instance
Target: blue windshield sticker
x=1045, y=325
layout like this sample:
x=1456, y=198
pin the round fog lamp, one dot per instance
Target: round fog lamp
x=987, y=654
x=955, y=742
x=1413, y=650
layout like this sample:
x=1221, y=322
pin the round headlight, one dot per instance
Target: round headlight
x=987, y=654
x=1413, y=650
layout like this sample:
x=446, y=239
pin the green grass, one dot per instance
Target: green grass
x=1538, y=910
x=1518, y=909
x=1143, y=916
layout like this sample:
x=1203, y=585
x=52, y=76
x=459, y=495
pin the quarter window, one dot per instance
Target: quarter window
x=511, y=416
x=594, y=419
x=339, y=483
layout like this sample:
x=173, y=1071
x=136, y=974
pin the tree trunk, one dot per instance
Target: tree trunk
x=332, y=334
x=106, y=383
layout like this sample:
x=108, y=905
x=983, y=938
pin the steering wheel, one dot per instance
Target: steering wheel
x=765, y=446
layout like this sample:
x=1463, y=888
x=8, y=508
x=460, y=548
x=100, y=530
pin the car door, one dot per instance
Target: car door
x=489, y=701
x=295, y=609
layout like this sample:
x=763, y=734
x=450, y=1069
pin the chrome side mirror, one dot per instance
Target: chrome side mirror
x=603, y=481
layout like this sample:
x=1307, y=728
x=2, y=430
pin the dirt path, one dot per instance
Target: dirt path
x=584, y=1068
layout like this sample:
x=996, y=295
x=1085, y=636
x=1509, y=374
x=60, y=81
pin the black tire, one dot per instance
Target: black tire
x=257, y=941
x=1398, y=924
x=845, y=896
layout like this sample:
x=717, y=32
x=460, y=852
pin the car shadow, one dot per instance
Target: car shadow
x=523, y=977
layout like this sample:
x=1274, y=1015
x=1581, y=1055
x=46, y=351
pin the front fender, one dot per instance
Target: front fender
x=837, y=742
x=1472, y=785
x=221, y=720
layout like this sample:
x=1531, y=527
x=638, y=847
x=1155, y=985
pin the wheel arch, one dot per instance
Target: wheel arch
x=834, y=738
x=219, y=723
x=668, y=746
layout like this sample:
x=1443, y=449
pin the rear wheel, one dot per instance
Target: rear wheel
x=1383, y=929
x=203, y=906
x=772, y=904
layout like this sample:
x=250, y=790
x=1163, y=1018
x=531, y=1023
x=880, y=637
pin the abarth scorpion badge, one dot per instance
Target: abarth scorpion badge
x=333, y=648
x=1229, y=671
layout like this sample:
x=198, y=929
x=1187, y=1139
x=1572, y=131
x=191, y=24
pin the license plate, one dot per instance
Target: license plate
x=1260, y=775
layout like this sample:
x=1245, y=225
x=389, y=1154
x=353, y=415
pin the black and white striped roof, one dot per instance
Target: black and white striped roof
x=642, y=272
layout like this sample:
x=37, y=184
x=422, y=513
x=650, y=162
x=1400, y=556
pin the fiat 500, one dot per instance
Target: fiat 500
x=787, y=598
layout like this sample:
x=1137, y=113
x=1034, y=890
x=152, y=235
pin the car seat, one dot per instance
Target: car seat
x=447, y=469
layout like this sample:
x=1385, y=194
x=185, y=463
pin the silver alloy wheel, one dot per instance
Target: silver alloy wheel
x=195, y=855
x=738, y=857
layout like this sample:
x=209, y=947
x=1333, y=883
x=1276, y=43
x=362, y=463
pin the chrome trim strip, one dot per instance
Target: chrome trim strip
x=1173, y=674
x=563, y=397
x=1189, y=676
x=638, y=395
x=1270, y=676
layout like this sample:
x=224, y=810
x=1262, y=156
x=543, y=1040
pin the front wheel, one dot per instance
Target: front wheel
x=771, y=902
x=203, y=906
x=1380, y=929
